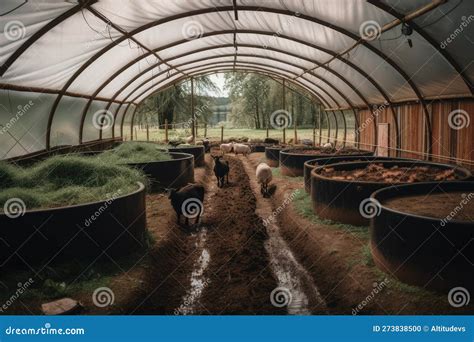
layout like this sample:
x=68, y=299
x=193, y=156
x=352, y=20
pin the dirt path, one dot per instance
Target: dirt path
x=295, y=285
x=222, y=266
x=232, y=263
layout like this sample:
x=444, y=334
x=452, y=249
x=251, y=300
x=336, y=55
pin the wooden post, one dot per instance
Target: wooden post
x=267, y=132
x=296, y=136
x=284, y=135
x=147, y=133
x=196, y=134
x=192, y=111
x=136, y=134
x=205, y=130
x=166, y=131
x=314, y=135
x=222, y=134
x=320, y=128
x=284, y=95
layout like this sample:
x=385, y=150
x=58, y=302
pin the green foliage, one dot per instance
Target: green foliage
x=174, y=103
x=135, y=152
x=303, y=205
x=67, y=180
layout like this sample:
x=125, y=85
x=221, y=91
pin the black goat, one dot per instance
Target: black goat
x=221, y=170
x=188, y=201
x=207, y=147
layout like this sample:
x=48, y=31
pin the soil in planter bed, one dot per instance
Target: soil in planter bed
x=378, y=173
x=439, y=205
x=324, y=151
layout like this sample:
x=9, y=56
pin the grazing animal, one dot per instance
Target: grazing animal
x=264, y=177
x=175, y=143
x=188, y=201
x=227, y=148
x=307, y=142
x=190, y=139
x=241, y=148
x=271, y=141
x=328, y=145
x=221, y=170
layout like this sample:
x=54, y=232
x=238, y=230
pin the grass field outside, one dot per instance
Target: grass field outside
x=214, y=133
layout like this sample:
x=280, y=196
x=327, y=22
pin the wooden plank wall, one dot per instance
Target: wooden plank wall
x=446, y=141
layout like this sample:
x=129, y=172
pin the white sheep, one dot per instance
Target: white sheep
x=190, y=139
x=264, y=177
x=226, y=148
x=328, y=145
x=241, y=148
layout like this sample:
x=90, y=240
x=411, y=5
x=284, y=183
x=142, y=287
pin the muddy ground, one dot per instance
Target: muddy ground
x=249, y=255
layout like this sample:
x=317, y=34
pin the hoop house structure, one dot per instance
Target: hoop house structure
x=406, y=66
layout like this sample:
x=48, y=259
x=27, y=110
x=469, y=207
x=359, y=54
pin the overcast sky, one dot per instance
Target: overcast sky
x=218, y=79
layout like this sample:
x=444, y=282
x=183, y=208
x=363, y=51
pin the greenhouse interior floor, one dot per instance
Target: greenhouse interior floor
x=228, y=265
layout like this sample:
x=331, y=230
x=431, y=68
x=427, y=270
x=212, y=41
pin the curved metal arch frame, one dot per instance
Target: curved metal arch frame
x=259, y=66
x=375, y=84
x=264, y=57
x=42, y=31
x=333, y=99
x=253, y=69
x=447, y=56
x=84, y=113
x=350, y=64
x=277, y=69
x=232, y=68
x=242, y=8
x=259, y=57
x=340, y=93
x=312, y=91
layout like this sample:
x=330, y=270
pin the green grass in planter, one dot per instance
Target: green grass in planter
x=66, y=180
x=135, y=152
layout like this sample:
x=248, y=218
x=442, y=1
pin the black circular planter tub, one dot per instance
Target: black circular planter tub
x=272, y=154
x=292, y=159
x=340, y=200
x=115, y=226
x=422, y=246
x=174, y=173
x=197, y=151
x=310, y=165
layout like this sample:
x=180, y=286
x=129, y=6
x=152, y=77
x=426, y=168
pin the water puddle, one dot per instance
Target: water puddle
x=296, y=288
x=198, y=281
x=295, y=285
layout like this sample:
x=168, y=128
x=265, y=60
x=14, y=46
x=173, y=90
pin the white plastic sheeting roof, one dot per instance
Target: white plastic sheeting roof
x=113, y=51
